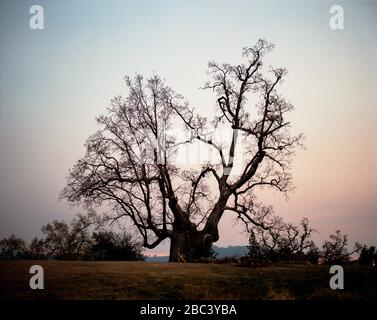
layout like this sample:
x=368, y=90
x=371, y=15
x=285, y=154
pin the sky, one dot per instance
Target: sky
x=53, y=82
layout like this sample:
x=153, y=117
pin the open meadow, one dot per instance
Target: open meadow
x=148, y=280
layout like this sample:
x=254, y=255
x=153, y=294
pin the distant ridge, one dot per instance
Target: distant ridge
x=231, y=251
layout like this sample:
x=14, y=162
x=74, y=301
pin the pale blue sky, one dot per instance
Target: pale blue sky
x=53, y=82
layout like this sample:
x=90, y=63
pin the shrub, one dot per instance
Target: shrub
x=37, y=249
x=281, y=242
x=335, y=251
x=13, y=248
x=108, y=245
x=313, y=254
x=368, y=256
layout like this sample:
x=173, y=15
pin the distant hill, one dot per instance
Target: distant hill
x=231, y=251
x=157, y=259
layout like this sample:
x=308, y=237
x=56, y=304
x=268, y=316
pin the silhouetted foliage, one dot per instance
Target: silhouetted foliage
x=312, y=254
x=74, y=241
x=69, y=242
x=273, y=240
x=37, y=249
x=335, y=251
x=280, y=243
x=108, y=245
x=368, y=256
x=285, y=242
x=13, y=248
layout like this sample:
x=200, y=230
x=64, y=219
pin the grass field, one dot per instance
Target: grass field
x=147, y=280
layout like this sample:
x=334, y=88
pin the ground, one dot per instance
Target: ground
x=148, y=280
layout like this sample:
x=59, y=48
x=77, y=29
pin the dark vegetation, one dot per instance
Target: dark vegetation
x=287, y=243
x=82, y=239
x=86, y=238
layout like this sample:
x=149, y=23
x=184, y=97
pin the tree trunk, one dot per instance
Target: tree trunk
x=189, y=246
x=179, y=247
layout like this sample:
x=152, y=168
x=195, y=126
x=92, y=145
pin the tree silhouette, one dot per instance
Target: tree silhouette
x=13, y=248
x=69, y=241
x=280, y=241
x=129, y=163
x=108, y=245
x=335, y=250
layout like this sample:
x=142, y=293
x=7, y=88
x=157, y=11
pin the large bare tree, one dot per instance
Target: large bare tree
x=129, y=163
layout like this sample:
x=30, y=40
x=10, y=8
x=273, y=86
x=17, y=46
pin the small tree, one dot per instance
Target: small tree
x=108, y=245
x=37, y=249
x=69, y=242
x=368, y=256
x=13, y=248
x=312, y=254
x=275, y=240
x=335, y=251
